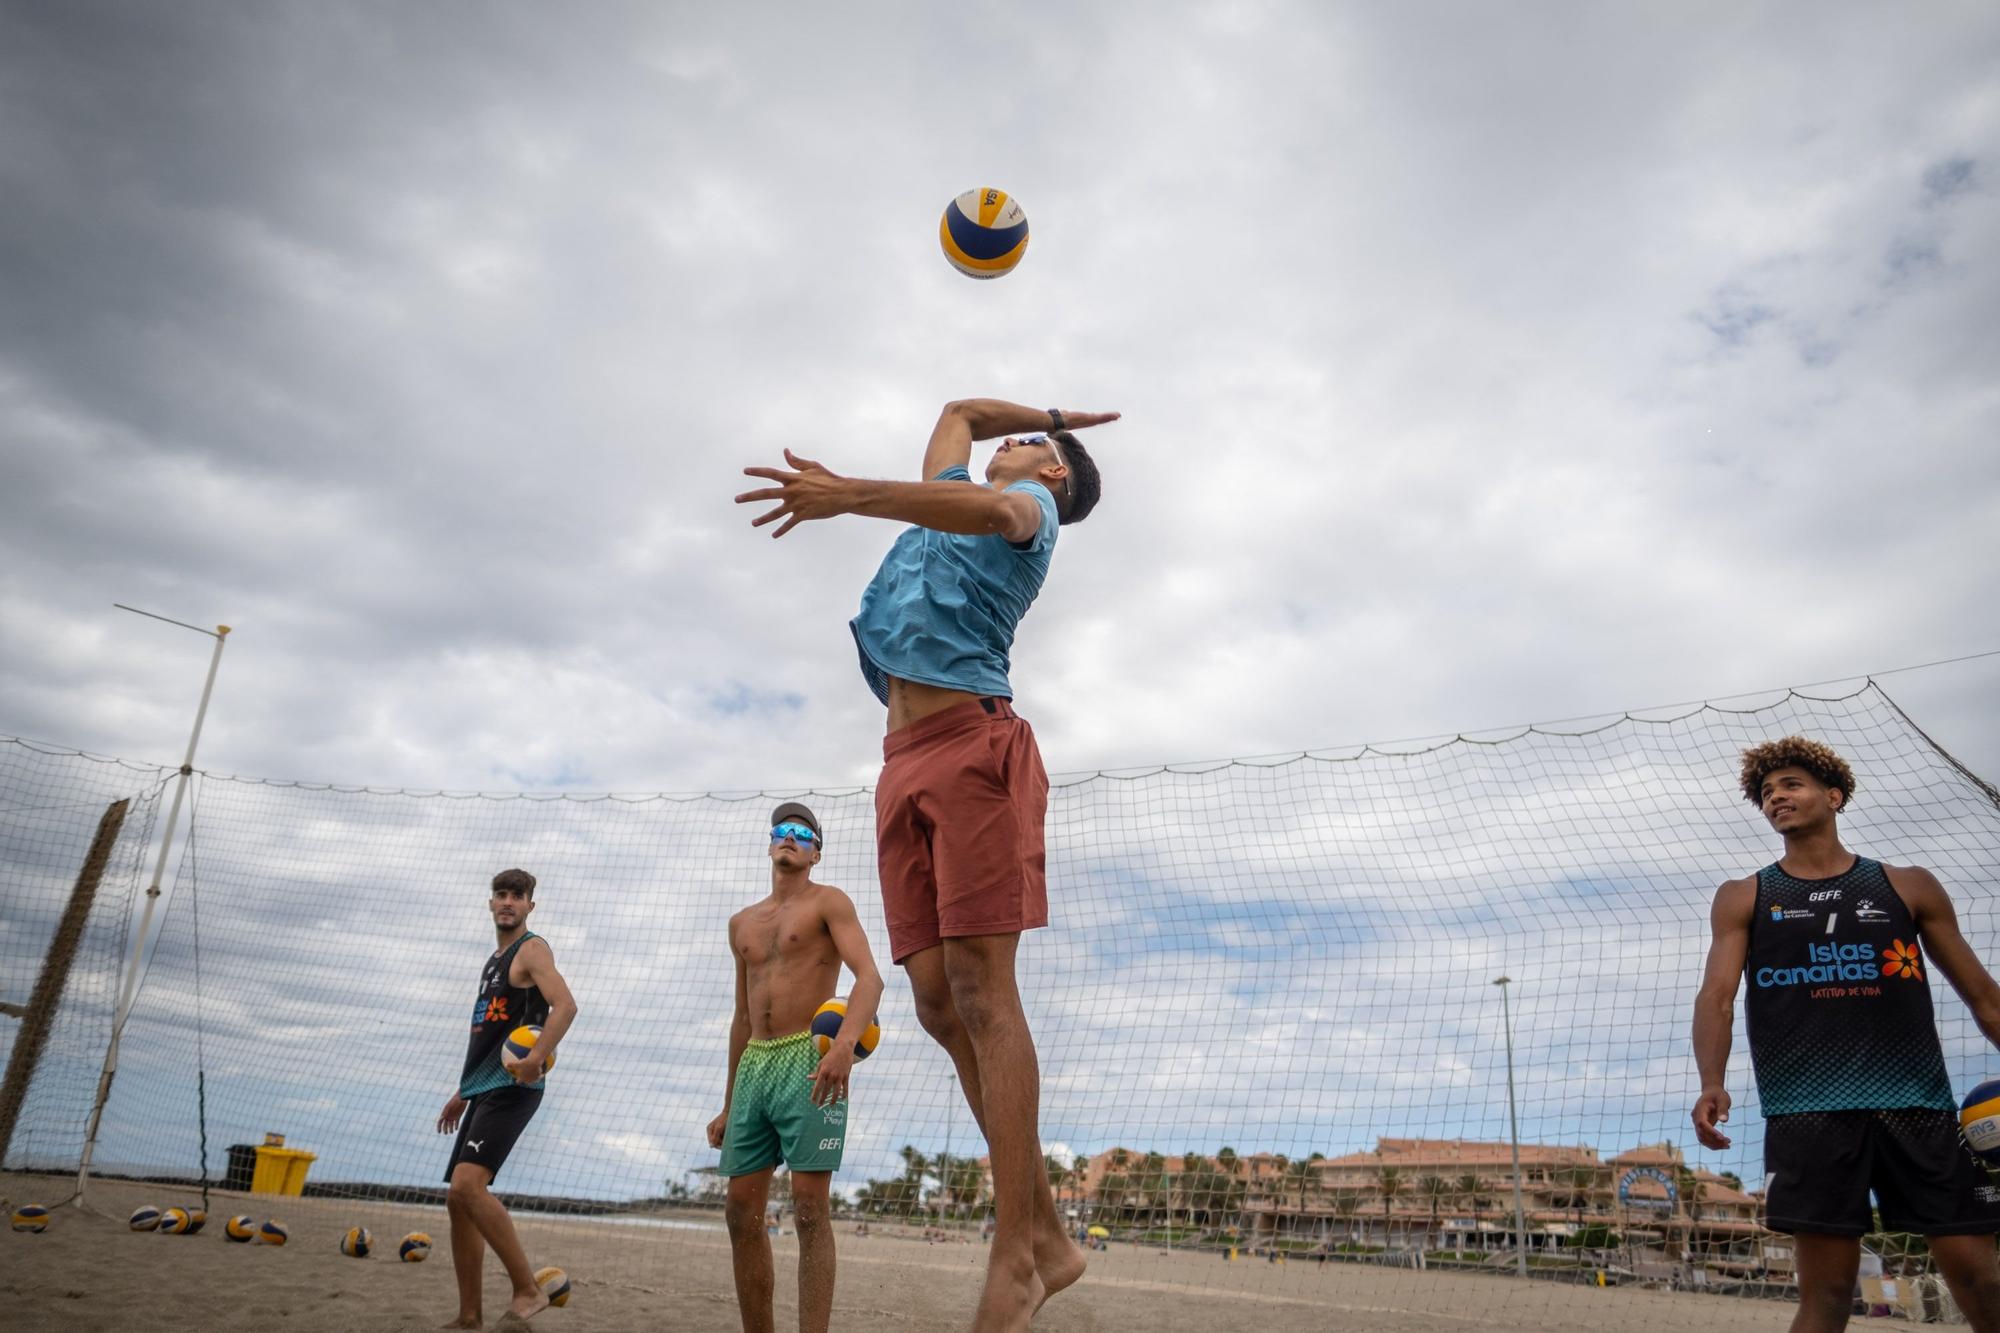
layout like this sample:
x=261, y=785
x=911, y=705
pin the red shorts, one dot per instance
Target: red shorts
x=958, y=827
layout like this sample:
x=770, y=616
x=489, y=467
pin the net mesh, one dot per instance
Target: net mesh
x=51, y=804
x=1266, y=1006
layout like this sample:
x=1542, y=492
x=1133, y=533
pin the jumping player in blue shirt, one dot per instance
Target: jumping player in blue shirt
x=962, y=798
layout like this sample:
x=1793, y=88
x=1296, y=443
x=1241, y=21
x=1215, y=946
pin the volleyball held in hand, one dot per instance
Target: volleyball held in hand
x=416, y=1248
x=31, y=1217
x=555, y=1285
x=1979, y=1118
x=521, y=1043
x=145, y=1217
x=826, y=1026
x=984, y=233
x=356, y=1243
x=241, y=1228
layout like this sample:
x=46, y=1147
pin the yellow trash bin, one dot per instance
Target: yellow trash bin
x=281, y=1171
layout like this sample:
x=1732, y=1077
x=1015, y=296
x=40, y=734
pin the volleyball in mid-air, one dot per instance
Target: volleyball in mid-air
x=175, y=1222
x=554, y=1284
x=521, y=1042
x=1979, y=1118
x=416, y=1248
x=145, y=1217
x=273, y=1232
x=826, y=1026
x=240, y=1228
x=984, y=233
x=356, y=1243
x=31, y=1217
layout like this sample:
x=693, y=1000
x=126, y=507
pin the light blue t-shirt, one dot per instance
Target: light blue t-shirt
x=943, y=607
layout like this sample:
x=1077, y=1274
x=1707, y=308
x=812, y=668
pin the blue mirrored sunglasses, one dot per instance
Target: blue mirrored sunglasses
x=796, y=832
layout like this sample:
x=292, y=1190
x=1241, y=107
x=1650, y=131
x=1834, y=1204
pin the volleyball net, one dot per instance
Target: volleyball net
x=1268, y=1005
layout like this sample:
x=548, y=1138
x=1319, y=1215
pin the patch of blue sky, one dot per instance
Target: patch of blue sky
x=739, y=698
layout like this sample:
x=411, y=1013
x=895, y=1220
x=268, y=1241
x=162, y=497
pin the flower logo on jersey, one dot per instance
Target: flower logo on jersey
x=496, y=1009
x=1902, y=961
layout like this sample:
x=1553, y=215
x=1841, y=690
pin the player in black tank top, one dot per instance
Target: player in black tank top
x=497, y=1096
x=1836, y=951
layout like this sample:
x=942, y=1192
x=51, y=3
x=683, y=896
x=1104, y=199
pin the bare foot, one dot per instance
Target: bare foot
x=1008, y=1302
x=466, y=1321
x=1058, y=1263
x=524, y=1306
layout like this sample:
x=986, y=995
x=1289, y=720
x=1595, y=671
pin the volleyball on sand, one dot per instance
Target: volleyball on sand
x=554, y=1284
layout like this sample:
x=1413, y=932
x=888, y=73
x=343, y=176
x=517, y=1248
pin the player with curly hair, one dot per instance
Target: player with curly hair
x=1844, y=1044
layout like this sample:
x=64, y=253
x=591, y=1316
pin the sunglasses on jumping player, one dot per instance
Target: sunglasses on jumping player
x=796, y=832
x=1055, y=447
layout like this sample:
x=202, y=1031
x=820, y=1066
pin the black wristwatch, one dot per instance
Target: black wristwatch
x=1055, y=420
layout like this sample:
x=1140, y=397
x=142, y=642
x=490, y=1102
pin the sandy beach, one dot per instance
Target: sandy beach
x=89, y=1271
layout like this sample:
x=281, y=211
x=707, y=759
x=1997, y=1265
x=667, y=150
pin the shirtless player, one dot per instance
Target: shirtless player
x=785, y=1101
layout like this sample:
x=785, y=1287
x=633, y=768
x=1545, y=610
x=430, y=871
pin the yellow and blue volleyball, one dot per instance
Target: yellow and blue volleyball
x=273, y=1232
x=984, y=233
x=175, y=1221
x=554, y=1284
x=356, y=1243
x=241, y=1228
x=197, y=1219
x=826, y=1026
x=521, y=1042
x=145, y=1217
x=416, y=1248
x=31, y=1217
x=1979, y=1118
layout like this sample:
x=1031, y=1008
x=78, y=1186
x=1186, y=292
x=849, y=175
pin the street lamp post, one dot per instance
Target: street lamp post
x=1514, y=1131
x=944, y=1173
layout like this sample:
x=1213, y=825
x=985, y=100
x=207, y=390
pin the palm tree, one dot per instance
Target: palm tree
x=1436, y=1189
x=1578, y=1181
x=1079, y=1177
x=1389, y=1180
x=1300, y=1176
x=1346, y=1203
x=1197, y=1184
x=1691, y=1189
x=1153, y=1184
x=1471, y=1188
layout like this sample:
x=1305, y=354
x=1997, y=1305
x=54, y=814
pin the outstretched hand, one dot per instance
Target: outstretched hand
x=812, y=491
x=1085, y=420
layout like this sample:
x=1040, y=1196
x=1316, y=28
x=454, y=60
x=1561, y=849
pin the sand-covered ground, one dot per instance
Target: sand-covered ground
x=88, y=1271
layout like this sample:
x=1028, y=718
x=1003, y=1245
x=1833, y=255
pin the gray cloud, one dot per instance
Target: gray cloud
x=1474, y=370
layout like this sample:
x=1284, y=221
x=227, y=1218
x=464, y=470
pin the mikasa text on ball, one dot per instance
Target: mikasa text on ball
x=984, y=233
x=1979, y=1118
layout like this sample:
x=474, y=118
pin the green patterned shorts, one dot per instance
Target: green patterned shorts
x=771, y=1114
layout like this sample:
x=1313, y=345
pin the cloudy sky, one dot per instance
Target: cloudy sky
x=1477, y=367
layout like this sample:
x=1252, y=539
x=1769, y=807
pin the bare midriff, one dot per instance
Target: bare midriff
x=911, y=702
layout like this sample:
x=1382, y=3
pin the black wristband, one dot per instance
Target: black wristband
x=1055, y=420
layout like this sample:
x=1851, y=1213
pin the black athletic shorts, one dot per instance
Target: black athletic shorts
x=1820, y=1165
x=493, y=1120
